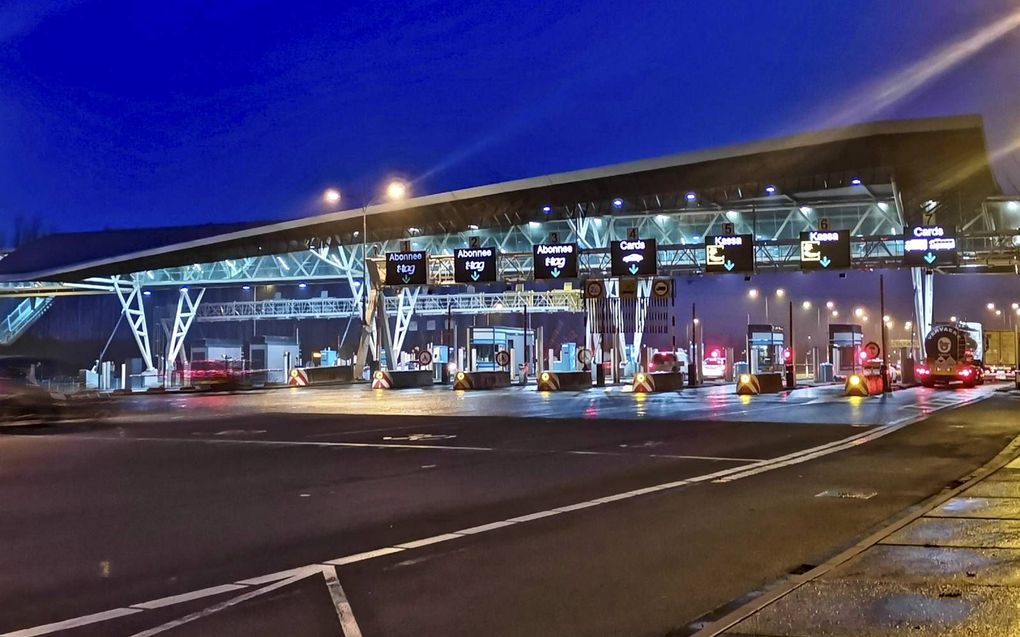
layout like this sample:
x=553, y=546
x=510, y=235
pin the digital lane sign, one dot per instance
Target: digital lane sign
x=633, y=257
x=407, y=268
x=555, y=261
x=729, y=253
x=825, y=250
x=474, y=265
x=929, y=246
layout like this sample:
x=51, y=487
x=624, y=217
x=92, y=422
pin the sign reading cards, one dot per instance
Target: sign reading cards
x=729, y=253
x=407, y=268
x=825, y=250
x=474, y=265
x=555, y=261
x=633, y=257
x=929, y=246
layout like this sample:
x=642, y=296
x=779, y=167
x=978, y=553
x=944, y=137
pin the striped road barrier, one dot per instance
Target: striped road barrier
x=298, y=377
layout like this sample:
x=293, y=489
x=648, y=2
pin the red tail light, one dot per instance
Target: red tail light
x=965, y=372
x=922, y=371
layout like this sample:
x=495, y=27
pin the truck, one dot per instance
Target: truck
x=1000, y=356
x=952, y=355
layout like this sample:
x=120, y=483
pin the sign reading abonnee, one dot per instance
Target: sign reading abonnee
x=633, y=257
x=474, y=265
x=555, y=261
x=407, y=268
x=929, y=246
x=825, y=250
x=729, y=253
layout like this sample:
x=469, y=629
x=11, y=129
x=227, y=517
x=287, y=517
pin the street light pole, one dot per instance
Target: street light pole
x=885, y=345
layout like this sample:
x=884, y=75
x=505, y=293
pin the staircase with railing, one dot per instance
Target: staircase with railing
x=24, y=314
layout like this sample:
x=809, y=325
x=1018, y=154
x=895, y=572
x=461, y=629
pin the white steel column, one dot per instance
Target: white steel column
x=186, y=310
x=134, y=310
x=405, y=310
x=644, y=292
x=924, y=296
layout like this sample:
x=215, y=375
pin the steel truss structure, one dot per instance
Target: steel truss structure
x=874, y=215
x=549, y=301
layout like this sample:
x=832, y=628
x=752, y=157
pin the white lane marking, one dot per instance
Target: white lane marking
x=265, y=579
x=482, y=528
x=187, y=597
x=842, y=445
x=73, y=623
x=285, y=443
x=334, y=434
x=344, y=612
x=661, y=455
x=735, y=472
x=367, y=555
x=435, y=539
x=389, y=445
x=233, y=601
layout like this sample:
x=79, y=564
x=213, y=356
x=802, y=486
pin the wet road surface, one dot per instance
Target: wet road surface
x=461, y=521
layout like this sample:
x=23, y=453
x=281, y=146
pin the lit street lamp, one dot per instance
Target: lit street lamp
x=396, y=190
x=331, y=196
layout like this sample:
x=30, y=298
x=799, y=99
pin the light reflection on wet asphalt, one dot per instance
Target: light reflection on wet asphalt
x=814, y=405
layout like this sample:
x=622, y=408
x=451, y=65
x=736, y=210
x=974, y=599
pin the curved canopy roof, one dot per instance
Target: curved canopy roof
x=937, y=159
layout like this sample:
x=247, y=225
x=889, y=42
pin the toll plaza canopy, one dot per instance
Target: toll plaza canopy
x=936, y=166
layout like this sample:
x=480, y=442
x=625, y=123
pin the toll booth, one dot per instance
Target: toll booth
x=765, y=348
x=845, y=341
x=218, y=349
x=328, y=358
x=567, y=361
x=441, y=359
x=484, y=342
x=269, y=355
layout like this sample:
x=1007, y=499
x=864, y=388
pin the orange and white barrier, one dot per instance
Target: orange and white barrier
x=298, y=377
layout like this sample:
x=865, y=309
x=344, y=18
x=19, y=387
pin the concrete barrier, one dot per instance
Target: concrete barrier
x=406, y=379
x=754, y=384
x=564, y=381
x=481, y=380
x=658, y=382
x=337, y=374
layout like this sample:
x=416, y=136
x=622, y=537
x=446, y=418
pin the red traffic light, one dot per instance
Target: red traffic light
x=787, y=354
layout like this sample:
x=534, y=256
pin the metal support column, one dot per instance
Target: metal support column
x=924, y=292
x=134, y=310
x=185, y=316
x=405, y=310
x=644, y=293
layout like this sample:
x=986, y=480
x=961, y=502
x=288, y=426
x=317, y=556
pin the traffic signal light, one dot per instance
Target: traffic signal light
x=788, y=355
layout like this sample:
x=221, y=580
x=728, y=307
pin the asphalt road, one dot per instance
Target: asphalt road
x=451, y=524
